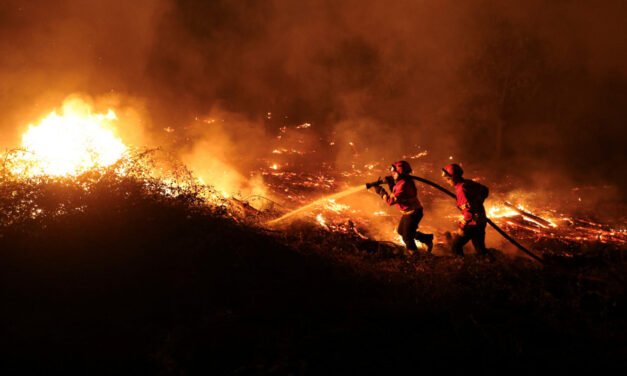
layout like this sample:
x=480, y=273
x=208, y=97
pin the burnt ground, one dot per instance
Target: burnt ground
x=142, y=286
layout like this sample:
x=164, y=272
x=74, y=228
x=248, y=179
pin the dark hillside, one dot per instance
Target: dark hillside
x=135, y=283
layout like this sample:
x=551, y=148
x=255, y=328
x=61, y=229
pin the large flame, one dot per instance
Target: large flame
x=70, y=143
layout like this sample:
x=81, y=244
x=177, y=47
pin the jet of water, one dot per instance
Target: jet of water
x=319, y=201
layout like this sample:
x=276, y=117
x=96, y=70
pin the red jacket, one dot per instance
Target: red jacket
x=404, y=195
x=470, y=198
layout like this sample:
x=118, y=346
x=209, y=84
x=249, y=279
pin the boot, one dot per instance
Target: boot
x=426, y=239
x=487, y=255
x=429, y=243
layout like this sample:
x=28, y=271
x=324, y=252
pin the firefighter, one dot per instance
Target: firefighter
x=405, y=195
x=470, y=198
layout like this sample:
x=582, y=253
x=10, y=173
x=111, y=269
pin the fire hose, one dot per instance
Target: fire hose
x=451, y=194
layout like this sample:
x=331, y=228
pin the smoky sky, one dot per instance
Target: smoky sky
x=522, y=87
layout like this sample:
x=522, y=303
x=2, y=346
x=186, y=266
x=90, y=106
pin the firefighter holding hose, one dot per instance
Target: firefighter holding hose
x=404, y=195
x=470, y=197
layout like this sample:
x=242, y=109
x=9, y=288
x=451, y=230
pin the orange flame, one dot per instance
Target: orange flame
x=70, y=143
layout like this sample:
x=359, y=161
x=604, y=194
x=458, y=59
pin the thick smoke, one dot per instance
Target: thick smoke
x=535, y=89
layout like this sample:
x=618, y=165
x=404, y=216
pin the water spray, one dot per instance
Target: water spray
x=319, y=201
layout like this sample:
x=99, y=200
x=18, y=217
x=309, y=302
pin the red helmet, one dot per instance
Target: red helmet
x=402, y=167
x=453, y=170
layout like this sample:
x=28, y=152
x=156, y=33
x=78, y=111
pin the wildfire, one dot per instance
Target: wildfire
x=70, y=142
x=74, y=139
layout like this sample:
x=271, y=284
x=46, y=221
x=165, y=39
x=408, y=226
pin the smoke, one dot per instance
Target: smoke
x=222, y=149
x=536, y=87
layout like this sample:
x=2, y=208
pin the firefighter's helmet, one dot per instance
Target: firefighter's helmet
x=401, y=167
x=453, y=170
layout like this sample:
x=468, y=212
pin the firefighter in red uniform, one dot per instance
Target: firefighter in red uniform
x=470, y=198
x=405, y=195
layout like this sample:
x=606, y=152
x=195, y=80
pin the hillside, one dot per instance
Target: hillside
x=133, y=282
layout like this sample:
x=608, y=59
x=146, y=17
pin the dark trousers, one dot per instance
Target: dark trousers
x=476, y=234
x=408, y=230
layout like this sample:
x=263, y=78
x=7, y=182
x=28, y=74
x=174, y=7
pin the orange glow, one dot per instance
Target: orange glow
x=321, y=221
x=500, y=211
x=70, y=142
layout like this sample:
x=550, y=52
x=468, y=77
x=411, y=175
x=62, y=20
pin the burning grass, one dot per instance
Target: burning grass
x=136, y=177
x=555, y=223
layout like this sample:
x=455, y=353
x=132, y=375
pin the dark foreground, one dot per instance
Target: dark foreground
x=132, y=285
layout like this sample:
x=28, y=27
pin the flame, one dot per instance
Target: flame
x=396, y=238
x=321, y=221
x=70, y=143
x=500, y=211
x=508, y=210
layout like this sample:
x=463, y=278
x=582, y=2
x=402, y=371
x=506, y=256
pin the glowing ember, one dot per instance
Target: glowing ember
x=500, y=211
x=321, y=221
x=70, y=143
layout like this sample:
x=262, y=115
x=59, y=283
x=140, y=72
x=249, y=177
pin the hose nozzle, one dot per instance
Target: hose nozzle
x=374, y=183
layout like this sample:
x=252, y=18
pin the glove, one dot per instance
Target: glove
x=380, y=191
x=390, y=181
